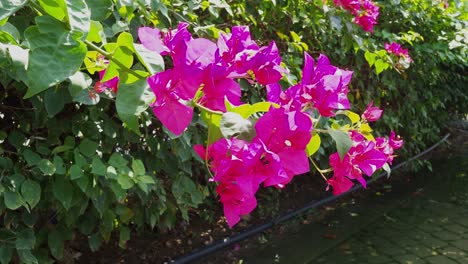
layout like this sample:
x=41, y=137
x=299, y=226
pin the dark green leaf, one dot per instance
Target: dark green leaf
x=78, y=17
x=32, y=158
x=55, y=241
x=97, y=167
x=124, y=236
x=132, y=100
x=25, y=239
x=54, y=102
x=59, y=166
x=100, y=10
x=31, y=192
x=54, y=55
x=46, y=167
x=88, y=147
x=117, y=160
x=75, y=172
x=234, y=125
x=6, y=253
x=9, y=7
x=342, y=140
x=95, y=242
x=12, y=200
x=63, y=191
x=26, y=256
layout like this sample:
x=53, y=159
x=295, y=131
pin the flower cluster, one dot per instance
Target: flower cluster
x=365, y=12
x=273, y=157
x=400, y=54
x=199, y=62
x=276, y=149
x=364, y=157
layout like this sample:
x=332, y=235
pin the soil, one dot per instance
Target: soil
x=166, y=247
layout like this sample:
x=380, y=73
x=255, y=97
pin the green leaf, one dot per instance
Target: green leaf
x=54, y=8
x=95, y=242
x=212, y=121
x=8, y=37
x=313, y=145
x=370, y=57
x=100, y=10
x=246, y=110
x=353, y=117
x=88, y=147
x=31, y=192
x=83, y=183
x=97, y=167
x=138, y=167
x=63, y=191
x=78, y=17
x=46, y=167
x=79, y=159
x=54, y=101
x=234, y=125
x=342, y=140
x=117, y=160
x=12, y=200
x=55, y=241
x=9, y=7
x=125, y=181
x=79, y=89
x=25, y=239
x=6, y=252
x=75, y=172
x=122, y=56
x=54, y=54
x=151, y=60
x=59, y=166
x=380, y=66
x=132, y=100
x=146, y=179
x=26, y=256
x=124, y=236
x=96, y=32
x=31, y=157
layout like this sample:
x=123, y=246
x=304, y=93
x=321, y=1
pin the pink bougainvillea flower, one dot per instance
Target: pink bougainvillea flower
x=151, y=39
x=367, y=17
x=339, y=184
x=235, y=51
x=395, y=141
x=170, y=105
x=365, y=12
x=111, y=84
x=372, y=113
x=266, y=65
x=323, y=86
x=235, y=202
x=285, y=134
x=217, y=87
x=397, y=50
x=362, y=157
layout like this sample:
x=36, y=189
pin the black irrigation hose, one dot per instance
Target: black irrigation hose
x=253, y=231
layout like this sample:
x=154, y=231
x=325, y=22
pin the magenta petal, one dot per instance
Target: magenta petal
x=294, y=162
x=340, y=184
x=174, y=115
x=371, y=161
x=200, y=51
x=151, y=39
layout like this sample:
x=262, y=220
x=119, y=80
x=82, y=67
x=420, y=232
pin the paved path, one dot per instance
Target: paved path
x=430, y=226
x=426, y=224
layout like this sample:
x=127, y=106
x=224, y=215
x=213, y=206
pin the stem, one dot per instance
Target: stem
x=109, y=57
x=318, y=169
x=206, y=149
x=316, y=122
x=208, y=110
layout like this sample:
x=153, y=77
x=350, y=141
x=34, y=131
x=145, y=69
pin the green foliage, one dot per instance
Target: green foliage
x=76, y=162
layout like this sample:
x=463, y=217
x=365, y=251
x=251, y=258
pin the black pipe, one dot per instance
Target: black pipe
x=253, y=231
